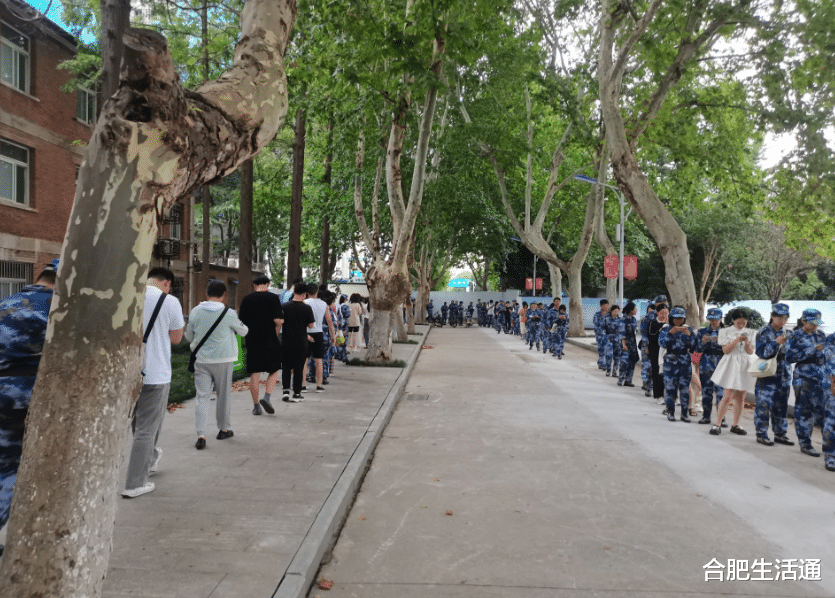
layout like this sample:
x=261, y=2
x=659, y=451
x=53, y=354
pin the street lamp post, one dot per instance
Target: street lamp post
x=620, y=230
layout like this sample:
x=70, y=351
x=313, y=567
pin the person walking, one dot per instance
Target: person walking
x=562, y=329
x=23, y=319
x=321, y=317
x=828, y=430
x=163, y=324
x=679, y=340
x=298, y=322
x=707, y=343
x=211, y=333
x=772, y=392
x=804, y=348
x=261, y=313
x=355, y=321
x=628, y=344
x=732, y=372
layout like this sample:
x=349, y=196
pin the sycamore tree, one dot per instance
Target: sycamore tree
x=154, y=142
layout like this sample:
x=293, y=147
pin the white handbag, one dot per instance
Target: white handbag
x=763, y=368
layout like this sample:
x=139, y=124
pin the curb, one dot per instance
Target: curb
x=322, y=535
x=750, y=397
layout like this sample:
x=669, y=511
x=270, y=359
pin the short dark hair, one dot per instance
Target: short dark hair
x=604, y=302
x=629, y=307
x=300, y=288
x=48, y=276
x=216, y=288
x=614, y=307
x=160, y=273
x=313, y=289
x=260, y=279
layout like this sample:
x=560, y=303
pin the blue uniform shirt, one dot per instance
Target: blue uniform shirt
x=677, y=343
x=801, y=349
x=23, y=318
x=766, y=347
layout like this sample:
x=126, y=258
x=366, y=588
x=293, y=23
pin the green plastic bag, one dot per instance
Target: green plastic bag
x=239, y=365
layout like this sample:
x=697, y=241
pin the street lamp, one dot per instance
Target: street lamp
x=619, y=236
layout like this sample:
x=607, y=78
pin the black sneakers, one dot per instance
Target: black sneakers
x=224, y=434
x=738, y=430
x=200, y=444
x=810, y=450
x=765, y=440
x=783, y=440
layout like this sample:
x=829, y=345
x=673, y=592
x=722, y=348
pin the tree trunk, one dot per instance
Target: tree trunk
x=387, y=288
x=575, y=303
x=153, y=144
x=421, y=301
x=294, y=244
x=245, y=234
x=115, y=19
x=325, y=267
x=399, y=326
x=556, y=280
x=410, y=318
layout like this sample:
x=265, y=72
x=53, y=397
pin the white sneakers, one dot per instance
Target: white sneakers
x=134, y=492
x=157, y=459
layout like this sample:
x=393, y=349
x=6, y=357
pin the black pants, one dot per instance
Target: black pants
x=657, y=376
x=292, y=364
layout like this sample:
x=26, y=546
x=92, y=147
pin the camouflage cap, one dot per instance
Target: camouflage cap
x=678, y=312
x=714, y=314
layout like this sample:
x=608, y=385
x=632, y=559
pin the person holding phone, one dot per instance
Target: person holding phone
x=737, y=342
x=773, y=392
x=679, y=340
x=805, y=349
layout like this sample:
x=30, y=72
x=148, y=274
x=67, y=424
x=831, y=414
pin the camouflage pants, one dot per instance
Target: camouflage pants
x=677, y=376
x=11, y=447
x=808, y=393
x=829, y=427
x=772, y=401
x=646, y=367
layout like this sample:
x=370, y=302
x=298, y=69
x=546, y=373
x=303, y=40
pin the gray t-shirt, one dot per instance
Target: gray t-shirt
x=319, y=308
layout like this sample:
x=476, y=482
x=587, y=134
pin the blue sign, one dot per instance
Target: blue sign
x=459, y=282
x=356, y=274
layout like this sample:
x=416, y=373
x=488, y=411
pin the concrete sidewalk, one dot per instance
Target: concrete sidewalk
x=514, y=474
x=250, y=517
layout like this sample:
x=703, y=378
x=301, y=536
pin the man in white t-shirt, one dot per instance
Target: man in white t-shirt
x=317, y=346
x=165, y=330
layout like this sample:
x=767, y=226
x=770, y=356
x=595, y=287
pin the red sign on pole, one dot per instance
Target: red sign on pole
x=529, y=284
x=538, y=284
x=611, y=267
x=630, y=267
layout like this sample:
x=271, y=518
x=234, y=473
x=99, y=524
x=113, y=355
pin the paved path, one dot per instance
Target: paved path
x=562, y=484
x=229, y=521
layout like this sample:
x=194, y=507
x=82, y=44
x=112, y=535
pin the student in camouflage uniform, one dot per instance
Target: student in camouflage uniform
x=430, y=307
x=444, y=312
x=534, y=322
x=23, y=319
x=646, y=364
x=628, y=344
x=600, y=334
x=773, y=392
x=562, y=330
x=707, y=343
x=612, y=349
x=804, y=348
x=679, y=340
x=829, y=396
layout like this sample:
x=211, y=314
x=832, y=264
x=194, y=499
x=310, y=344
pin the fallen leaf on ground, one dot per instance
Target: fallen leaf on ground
x=449, y=512
x=362, y=517
x=324, y=584
x=607, y=548
x=174, y=406
x=437, y=480
x=427, y=347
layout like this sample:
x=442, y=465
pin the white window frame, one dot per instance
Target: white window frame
x=89, y=99
x=15, y=165
x=17, y=51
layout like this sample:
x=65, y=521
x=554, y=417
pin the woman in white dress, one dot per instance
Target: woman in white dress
x=732, y=372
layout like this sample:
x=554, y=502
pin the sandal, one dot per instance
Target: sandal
x=738, y=430
x=716, y=430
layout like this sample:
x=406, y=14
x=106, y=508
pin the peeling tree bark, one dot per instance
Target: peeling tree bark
x=154, y=143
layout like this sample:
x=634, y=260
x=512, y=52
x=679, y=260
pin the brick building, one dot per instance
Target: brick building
x=42, y=130
x=39, y=128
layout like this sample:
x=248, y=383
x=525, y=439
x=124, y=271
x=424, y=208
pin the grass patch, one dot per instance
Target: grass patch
x=182, y=381
x=394, y=363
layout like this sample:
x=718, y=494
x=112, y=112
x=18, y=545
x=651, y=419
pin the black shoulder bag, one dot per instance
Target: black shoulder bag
x=151, y=324
x=193, y=356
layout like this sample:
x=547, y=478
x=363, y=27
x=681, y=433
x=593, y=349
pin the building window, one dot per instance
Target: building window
x=14, y=173
x=14, y=58
x=85, y=106
x=13, y=277
x=174, y=220
x=177, y=289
